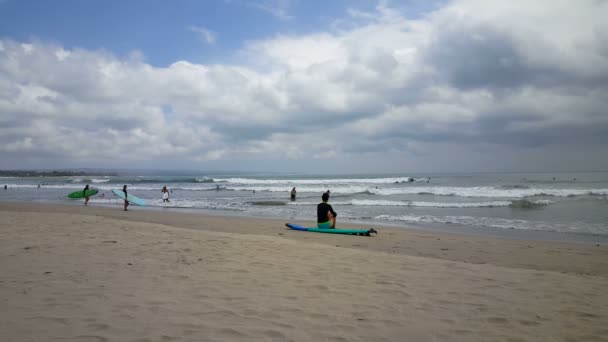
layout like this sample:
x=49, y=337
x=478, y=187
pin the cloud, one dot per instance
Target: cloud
x=514, y=81
x=204, y=34
x=277, y=8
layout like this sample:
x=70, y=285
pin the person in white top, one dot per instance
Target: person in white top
x=165, y=194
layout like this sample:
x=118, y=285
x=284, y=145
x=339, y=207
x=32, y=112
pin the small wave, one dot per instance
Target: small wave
x=266, y=203
x=103, y=180
x=489, y=204
x=387, y=203
x=515, y=186
x=490, y=192
x=527, y=204
x=159, y=180
x=493, y=222
x=253, y=181
x=175, y=203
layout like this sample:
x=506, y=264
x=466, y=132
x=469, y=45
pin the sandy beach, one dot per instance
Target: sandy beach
x=71, y=273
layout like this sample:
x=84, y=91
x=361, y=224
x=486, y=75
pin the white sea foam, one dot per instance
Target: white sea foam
x=489, y=192
x=494, y=222
x=174, y=203
x=472, y=192
x=102, y=180
x=252, y=181
x=432, y=204
x=387, y=203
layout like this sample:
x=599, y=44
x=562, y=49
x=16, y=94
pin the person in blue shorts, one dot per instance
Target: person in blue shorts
x=326, y=216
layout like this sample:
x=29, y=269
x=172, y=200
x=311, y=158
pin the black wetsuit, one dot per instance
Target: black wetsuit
x=322, y=210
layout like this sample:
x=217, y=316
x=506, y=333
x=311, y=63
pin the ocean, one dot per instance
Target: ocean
x=556, y=206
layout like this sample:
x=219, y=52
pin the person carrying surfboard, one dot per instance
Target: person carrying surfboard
x=326, y=216
x=84, y=193
x=124, y=189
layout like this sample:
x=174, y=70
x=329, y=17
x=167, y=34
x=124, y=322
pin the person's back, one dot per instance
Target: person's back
x=326, y=216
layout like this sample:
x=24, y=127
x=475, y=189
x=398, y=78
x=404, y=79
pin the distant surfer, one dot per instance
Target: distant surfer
x=293, y=194
x=5, y=187
x=124, y=189
x=217, y=187
x=165, y=194
x=326, y=216
x=84, y=193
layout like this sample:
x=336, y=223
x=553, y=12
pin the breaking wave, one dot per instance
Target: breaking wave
x=251, y=181
x=493, y=222
x=385, y=203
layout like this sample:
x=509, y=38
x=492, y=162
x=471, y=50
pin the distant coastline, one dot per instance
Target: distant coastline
x=34, y=173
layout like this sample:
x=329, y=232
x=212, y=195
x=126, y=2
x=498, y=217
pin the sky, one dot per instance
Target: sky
x=338, y=86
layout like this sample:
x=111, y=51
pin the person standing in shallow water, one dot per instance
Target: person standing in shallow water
x=84, y=193
x=165, y=194
x=124, y=189
x=293, y=194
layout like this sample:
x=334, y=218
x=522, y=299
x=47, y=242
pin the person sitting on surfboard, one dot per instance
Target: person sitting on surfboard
x=124, y=189
x=326, y=216
x=84, y=193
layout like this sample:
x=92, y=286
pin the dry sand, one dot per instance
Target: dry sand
x=72, y=273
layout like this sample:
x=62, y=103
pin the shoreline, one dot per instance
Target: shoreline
x=436, y=228
x=572, y=257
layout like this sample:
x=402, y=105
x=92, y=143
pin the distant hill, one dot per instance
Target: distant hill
x=35, y=173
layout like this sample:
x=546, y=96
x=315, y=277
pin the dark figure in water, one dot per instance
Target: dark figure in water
x=293, y=194
x=84, y=193
x=124, y=189
x=5, y=187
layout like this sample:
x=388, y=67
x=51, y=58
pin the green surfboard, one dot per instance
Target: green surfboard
x=81, y=194
x=365, y=232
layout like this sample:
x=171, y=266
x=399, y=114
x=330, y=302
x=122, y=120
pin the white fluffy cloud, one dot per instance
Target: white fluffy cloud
x=477, y=77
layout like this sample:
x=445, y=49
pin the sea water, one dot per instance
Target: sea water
x=571, y=206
